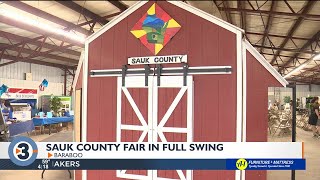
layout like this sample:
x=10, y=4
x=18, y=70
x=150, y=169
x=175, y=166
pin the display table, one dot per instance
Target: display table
x=20, y=127
x=53, y=120
x=49, y=121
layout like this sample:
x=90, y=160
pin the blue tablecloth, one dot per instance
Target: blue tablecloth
x=21, y=127
x=53, y=120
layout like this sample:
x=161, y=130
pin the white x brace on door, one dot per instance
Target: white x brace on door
x=150, y=128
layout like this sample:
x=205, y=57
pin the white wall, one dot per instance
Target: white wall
x=13, y=75
x=39, y=72
x=302, y=91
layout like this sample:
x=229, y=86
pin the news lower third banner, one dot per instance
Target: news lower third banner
x=24, y=153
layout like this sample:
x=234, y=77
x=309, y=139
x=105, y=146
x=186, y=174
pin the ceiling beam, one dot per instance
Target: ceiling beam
x=283, y=49
x=313, y=76
x=314, y=38
x=104, y=17
x=302, y=15
x=9, y=46
x=119, y=5
x=35, y=43
x=228, y=14
x=242, y=4
x=310, y=79
x=36, y=30
x=305, y=71
x=268, y=25
x=77, y=8
x=42, y=54
x=295, y=26
x=279, y=36
x=270, y=54
x=70, y=73
x=36, y=54
x=303, y=81
x=42, y=14
x=316, y=68
x=14, y=59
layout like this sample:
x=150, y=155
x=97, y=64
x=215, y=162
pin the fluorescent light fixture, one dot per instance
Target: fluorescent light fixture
x=297, y=69
x=27, y=20
x=313, y=58
x=316, y=57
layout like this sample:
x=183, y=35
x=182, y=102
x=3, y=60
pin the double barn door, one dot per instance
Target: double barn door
x=155, y=112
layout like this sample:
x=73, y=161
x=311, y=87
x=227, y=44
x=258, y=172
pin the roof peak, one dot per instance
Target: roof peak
x=179, y=4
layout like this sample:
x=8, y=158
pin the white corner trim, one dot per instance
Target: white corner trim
x=84, y=100
x=207, y=16
x=78, y=70
x=239, y=94
x=244, y=95
x=239, y=87
x=115, y=20
x=244, y=100
x=265, y=63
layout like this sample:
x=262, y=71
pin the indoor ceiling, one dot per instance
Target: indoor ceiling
x=286, y=33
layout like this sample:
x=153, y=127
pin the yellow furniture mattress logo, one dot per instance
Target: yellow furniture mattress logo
x=242, y=164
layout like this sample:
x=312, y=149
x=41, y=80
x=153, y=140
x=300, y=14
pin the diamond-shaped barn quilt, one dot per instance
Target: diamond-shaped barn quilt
x=155, y=29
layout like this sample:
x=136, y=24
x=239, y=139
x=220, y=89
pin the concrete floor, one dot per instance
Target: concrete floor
x=63, y=136
x=312, y=155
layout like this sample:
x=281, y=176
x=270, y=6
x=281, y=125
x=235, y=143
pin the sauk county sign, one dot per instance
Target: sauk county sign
x=158, y=59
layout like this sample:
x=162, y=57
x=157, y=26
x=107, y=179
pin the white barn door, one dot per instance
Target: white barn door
x=155, y=113
x=134, y=117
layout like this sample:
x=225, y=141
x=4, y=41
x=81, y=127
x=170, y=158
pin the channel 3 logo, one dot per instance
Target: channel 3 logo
x=241, y=164
x=23, y=151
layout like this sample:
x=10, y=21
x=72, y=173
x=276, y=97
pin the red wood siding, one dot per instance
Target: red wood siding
x=129, y=117
x=177, y=119
x=206, y=44
x=78, y=174
x=258, y=81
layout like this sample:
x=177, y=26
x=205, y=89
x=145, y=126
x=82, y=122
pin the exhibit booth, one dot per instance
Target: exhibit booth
x=169, y=72
x=45, y=103
x=24, y=103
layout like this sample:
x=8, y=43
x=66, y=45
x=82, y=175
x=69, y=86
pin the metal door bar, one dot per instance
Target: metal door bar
x=164, y=71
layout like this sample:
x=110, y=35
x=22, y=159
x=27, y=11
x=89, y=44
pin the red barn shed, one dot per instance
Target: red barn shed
x=216, y=94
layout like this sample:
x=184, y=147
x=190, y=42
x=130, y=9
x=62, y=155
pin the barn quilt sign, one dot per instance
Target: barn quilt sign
x=155, y=29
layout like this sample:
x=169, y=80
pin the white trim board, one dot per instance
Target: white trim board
x=265, y=63
x=180, y=4
x=78, y=70
x=244, y=101
x=84, y=101
x=74, y=89
x=239, y=112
